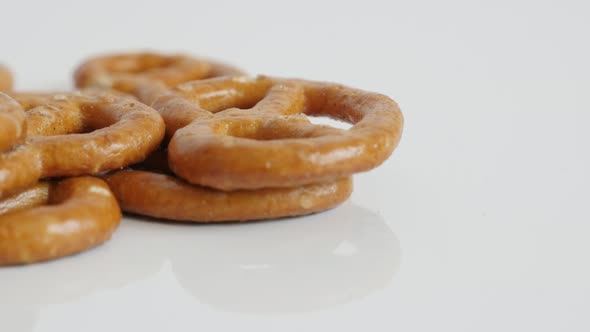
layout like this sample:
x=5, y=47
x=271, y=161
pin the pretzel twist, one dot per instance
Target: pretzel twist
x=90, y=134
x=123, y=72
x=77, y=214
x=154, y=191
x=247, y=137
x=166, y=196
x=244, y=133
x=238, y=149
x=82, y=212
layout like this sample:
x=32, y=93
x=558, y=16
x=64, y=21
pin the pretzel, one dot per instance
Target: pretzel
x=81, y=213
x=91, y=134
x=166, y=196
x=5, y=79
x=122, y=72
x=12, y=122
x=217, y=143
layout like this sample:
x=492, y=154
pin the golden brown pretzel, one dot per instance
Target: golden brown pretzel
x=5, y=79
x=12, y=122
x=92, y=134
x=166, y=196
x=122, y=72
x=82, y=213
x=218, y=143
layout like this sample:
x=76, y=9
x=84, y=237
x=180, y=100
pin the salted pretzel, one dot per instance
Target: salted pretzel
x=153, y=191
x=52, y=220
x=5, y=79
x=251, y=133
x=89, y=134
x=122, y=72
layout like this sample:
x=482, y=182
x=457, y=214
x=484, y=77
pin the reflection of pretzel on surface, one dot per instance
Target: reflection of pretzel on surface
x=123, y=71
x=272, y=144
x=5, y=79
x=82, y=213
x=93, y=133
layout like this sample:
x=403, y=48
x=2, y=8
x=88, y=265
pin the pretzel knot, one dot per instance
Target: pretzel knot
x=80, y=213
x=65, y=135
x=149, y=192
x=122, y=72
x=89, y=134
x=252, y=133
x=243, y=148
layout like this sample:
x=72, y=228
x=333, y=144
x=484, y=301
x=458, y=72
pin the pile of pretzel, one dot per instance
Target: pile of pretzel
x=177, y=138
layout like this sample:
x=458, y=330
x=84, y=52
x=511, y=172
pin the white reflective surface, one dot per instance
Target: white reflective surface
x=480, y=221
x=267, y=268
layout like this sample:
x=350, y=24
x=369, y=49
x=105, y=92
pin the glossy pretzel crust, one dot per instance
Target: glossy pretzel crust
x=89, y=134
x=49, y=221
x=251, y=133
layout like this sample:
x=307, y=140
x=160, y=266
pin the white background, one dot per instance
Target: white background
x=479, y=222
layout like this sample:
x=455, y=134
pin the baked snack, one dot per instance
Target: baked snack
x=79, y=134
x=251, y=133
x=200, y=142
x=151, y=189
x=122, y=72
x=53, y=220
